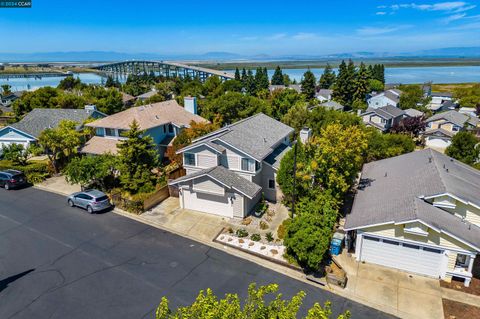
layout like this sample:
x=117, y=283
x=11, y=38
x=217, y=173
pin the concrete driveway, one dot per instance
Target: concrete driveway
x=403, y=294
x=200, y=226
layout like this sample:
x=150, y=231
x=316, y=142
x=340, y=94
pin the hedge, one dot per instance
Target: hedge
x=35, y=171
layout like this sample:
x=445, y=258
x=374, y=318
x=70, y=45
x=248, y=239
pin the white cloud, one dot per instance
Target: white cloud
x=452, y=6
x=373, y=31
x=454, y=17
x=249, y=38
x=277, y=36
x=381, y=13
x=304, y=36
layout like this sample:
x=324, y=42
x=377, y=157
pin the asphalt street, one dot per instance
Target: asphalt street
x=61, y=262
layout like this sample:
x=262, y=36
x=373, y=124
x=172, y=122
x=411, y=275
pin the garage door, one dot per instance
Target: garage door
x=438, y=143
x=208, y=203
x=412, y=258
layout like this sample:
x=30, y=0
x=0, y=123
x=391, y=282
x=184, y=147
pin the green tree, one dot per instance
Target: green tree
x=344, y=88
x=310, y=231
x=261, y=79
x=137, y=158
x=250, y=83
x=328, y=78
x=98, y=171
x=70, y=101
x=362, y=85
x=233, y=106
x=237, y=74
x=165, y=89
x=375, y=85
x=308, y=85
x=60, y=143
x=285, y=175
x=381, y=146
x=262, y=302
x=69, y=83
x=297, y=116
x=283, y=100
x=44, y=97
x=277, y=77
x=464, y=148
x=286, y=80
x=16, y=153
x=413, y=98
x=6, y=89
x=468, y=96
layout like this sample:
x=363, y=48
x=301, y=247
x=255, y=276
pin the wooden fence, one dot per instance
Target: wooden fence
x=140, y=206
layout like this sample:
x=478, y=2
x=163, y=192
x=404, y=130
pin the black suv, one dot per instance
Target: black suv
x=12, y=179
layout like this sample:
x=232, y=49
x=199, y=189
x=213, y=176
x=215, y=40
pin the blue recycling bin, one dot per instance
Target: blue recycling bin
x=336, y=246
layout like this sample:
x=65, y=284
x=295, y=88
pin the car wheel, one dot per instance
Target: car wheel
x=7, y=187
x=89, y=209
x=70, y=203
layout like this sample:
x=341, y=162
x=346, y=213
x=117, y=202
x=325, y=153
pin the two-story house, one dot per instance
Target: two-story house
x=442, y=127
x=418, y=212
x=229, y=169
x=388, y=97
x=383, y=118
x=162, y=121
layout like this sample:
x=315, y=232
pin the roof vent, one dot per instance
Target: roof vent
x=264, y=140
x=446, y=170
x=444, y=166
x=386, y=174
x=156, y=116
x=429, y=159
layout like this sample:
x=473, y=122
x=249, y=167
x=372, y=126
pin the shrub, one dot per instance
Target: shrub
x=269, y=237
x=263, y=225
x=282, y=229
x=35, y=171
x=241, y=233
x=230, y=230
x=255, y=237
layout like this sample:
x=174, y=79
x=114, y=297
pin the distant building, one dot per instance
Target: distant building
x=388, y=97
x=324, y=95
x=332, y=105
x=296, y=87
x=441, y=101
x=382, y=118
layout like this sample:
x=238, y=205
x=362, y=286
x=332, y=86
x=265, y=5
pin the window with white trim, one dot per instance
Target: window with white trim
x=248, y=165
x=109, y=132
x=189, y=159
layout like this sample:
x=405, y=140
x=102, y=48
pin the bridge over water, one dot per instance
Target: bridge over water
x=164, y=68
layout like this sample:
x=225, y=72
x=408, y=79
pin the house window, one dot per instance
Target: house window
x=391, y=242
x=257, y=166
x=455, y=129
x=411, y=246
x=110, y=132
x=189, y=159
x=122, y=133
x=170, y=128
x=271, y=184
x=247, y=165
x=462, y=260
x=164, y=129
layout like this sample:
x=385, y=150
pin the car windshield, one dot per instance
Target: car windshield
x=102, y=198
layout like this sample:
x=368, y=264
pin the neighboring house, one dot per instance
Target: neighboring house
x=413, y=113
x=26, y=131
x=7, y=100
x=127, y=99
x=332, y=105
x=418, y=212
x=324, y=95
x=296, y=87
x=388, y=97
x=442, y=126
x=469, y=111
x=146, y=96
x=443, y=107
x=229, y=169
x=162, y=121
x=382, y=118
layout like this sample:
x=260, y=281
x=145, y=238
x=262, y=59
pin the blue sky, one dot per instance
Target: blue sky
x=244, y=27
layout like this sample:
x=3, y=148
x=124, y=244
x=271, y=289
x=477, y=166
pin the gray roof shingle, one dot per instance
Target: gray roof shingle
x=389, y=190
x=256, y=136
x=226, y=177
x=333, y=105
x=387, y=111
x=455, y=118
x=40, y=119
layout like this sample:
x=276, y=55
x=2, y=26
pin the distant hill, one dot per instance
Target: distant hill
x=85, y=56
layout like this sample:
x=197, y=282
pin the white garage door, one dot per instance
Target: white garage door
x=208, y=203
x=412, y=258
x=437, y=143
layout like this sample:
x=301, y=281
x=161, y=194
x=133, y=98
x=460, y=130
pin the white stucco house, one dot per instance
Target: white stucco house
x=229, y=169
x=388, y=97
x=418, y=212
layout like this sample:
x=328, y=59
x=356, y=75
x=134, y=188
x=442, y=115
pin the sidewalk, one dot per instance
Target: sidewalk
x=58, y=185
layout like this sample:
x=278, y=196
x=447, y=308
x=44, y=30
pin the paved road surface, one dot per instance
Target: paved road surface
x=59, y=262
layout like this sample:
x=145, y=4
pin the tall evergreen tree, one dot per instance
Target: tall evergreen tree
x=250, y=83
x=344, y=87
x=237, y=74
x=328, y=78
x=244, y=77
x=277, y=78
x=361, y=83
x=308, y=84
